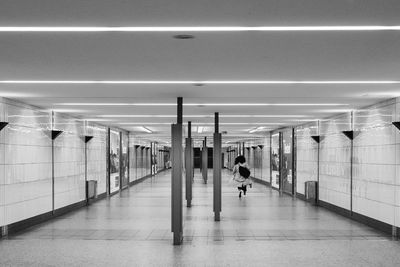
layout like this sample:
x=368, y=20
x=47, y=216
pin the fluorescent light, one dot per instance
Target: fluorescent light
x=336, y=110
x=201, y=116
x=116, y=104
x=262, y=116
x=16, y=95
x=383, y=94
x=202, y=29
x=147, y=130
x=97, y=120
x=67, y=110
x=256, y=129
x=144, y=123
x=201, y=104
x=275, y=82
x=200, y=123
x=264, y=104
x=136, y=116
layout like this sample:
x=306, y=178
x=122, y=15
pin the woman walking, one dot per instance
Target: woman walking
x=241, y=174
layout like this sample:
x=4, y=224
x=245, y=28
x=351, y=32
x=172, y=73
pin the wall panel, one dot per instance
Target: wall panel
x=97, y=157
x=69, y=162
x=397, y=180
x=306, y=156
x=335, y=148
x=374, y=164
x=26, y=163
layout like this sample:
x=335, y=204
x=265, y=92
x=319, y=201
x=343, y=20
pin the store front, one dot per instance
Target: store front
x=287, y=163
x=124, y=160
x=275, y=160
x=114, y=159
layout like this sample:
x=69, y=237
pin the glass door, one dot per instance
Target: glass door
x=287, y=161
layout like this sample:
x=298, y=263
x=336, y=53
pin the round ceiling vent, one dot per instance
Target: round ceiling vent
x=183, y=36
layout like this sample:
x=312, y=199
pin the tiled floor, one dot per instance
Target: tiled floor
x=261, y=229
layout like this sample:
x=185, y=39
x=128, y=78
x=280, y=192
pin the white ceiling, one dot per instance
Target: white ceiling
x=209, y=56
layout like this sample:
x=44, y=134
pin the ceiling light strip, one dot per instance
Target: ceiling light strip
x=145, y=129
x=201, y=104
x=276, y=82
x=202, y=29
x=201, y=116
x=200, y=123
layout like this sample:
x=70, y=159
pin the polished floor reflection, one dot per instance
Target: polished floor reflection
x=260, y=229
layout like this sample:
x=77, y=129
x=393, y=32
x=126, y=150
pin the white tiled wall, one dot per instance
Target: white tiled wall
x=69, y=162
x=374, y=162
x=306, y=156
x=335, y=147
x=397, y=181
x=97, y=157
x=2, y=171
x=25, y=163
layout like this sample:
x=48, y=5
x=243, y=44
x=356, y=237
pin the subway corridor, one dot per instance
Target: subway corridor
x=263, y=228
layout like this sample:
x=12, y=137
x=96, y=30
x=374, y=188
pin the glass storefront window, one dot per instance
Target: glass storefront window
x=124, y=161
x=287, y=161
x=275, y=158
x=114, y=161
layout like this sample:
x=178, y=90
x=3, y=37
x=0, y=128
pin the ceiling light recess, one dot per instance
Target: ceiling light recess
x=274, y=82
x=183, y=36
x=200, y=28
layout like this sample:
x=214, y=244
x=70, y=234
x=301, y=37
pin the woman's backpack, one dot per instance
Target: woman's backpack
x=244, y=172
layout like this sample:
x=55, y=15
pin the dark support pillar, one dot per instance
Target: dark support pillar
x=189, y=166
x=204, y=162
x=180, y=110
x=176, y=177
x=217, y=166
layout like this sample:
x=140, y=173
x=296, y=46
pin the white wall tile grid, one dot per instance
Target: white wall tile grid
x=335, y=158
x=97, y=157
x=25, y=184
